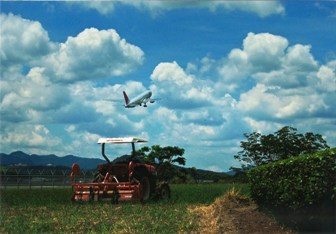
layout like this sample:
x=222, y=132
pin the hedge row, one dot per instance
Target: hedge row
x=296, y=183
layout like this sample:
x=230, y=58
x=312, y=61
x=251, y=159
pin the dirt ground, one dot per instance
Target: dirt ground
x=234, y=213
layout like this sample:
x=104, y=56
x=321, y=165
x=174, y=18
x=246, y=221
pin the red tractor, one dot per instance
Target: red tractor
x=125, y=178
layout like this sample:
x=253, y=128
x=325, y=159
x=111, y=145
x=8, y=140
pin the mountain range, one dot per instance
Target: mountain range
x=21, y=158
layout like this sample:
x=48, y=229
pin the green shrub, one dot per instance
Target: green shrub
x=296, y=183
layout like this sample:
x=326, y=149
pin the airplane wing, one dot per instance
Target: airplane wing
x=152, y=100
x=113, y=100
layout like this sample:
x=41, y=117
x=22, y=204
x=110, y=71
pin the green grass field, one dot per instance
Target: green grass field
x=50, y=210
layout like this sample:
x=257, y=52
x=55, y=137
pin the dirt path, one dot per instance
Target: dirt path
x=234, y=213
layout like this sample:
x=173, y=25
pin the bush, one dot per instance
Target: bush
x=297, y=183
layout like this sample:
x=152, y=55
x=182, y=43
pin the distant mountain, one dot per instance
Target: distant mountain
x=212, y=175
x=22, y=158
x=231, y=172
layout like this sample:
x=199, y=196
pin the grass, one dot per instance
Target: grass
x=50, y=210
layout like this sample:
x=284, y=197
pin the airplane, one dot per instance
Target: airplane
x=140, y=100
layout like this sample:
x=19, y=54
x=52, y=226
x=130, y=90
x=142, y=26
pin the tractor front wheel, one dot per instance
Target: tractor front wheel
x=164, y=192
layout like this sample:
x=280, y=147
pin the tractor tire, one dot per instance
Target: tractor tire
x=164, y=192
x=141, y=175
x=146, y=188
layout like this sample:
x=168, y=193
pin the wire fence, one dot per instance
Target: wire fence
x=19, y=177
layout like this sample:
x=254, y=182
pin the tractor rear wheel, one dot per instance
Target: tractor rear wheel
x=145, y=186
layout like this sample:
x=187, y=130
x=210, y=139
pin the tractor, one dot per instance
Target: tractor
x=125, y=178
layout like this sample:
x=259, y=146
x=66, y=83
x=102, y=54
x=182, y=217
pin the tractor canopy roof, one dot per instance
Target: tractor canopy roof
x=121, y=140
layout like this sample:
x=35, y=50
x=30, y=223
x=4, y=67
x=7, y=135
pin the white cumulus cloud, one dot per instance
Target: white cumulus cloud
x=26, y=98
x=94, y=54
x=21, y=41
x=33, y=137
x=327, y=77
x=260, y=8
x=178, y=88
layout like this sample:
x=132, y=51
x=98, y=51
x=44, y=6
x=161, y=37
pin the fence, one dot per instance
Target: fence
x=40, y=177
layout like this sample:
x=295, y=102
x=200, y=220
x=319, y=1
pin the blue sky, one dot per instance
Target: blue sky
x=222, y=69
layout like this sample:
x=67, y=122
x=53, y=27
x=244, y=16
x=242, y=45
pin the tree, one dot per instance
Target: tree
x=166, y=156
x=285, y=143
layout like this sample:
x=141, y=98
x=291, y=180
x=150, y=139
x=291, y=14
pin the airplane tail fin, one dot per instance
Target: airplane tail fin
x=126, y=98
